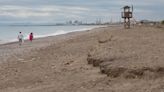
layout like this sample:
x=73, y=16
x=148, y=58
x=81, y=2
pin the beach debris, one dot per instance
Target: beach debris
x=68, y=63
x=94, y=62
x=64, y=69
x=99, y=61
x=103, y=67
x=53, y=66
x=24, y=60
x=21, y=60
x=105, y=40
x=32, y=59
x=84, y=68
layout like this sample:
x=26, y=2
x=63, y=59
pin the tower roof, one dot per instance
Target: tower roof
x=126, y=7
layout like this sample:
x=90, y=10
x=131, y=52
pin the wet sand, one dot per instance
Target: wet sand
x=60, y=63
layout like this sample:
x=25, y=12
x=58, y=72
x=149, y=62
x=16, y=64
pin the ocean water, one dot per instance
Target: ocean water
x=10, y=33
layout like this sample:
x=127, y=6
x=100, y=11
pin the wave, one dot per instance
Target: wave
x=60, y=32
x=57, y=32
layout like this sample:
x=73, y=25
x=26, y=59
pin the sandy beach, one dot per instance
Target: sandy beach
x=105, y=59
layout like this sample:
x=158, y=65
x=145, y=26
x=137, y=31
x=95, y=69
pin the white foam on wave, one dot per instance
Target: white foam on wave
x=60, y=32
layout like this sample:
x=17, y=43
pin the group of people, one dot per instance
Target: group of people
x=21, y=37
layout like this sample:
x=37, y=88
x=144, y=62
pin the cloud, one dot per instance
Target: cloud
x=22, y=12
x=43, y=11
x=63, y=10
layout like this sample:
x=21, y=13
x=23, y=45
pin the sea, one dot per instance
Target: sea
x=9, y=33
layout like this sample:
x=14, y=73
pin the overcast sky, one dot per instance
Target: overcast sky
x=85, y=10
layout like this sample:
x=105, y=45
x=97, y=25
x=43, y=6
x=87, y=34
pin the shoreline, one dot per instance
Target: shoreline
x=52, y=34
x=44, y=37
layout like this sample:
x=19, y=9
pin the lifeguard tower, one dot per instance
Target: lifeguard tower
x=127, y=14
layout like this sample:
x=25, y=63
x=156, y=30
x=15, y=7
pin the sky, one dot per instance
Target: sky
x=60, y=11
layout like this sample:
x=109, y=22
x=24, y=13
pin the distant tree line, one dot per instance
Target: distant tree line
x=162, y=22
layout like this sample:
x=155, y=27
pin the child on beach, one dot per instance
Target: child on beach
x=31, y=37
x=20, y=38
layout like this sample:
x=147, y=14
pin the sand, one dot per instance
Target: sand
x=60, y=63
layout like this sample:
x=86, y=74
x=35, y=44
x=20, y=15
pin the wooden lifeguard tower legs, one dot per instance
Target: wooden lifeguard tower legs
x=126, y=22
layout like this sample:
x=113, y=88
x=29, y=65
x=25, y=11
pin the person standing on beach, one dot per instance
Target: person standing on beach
x=31, y=37
x=20, y=38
